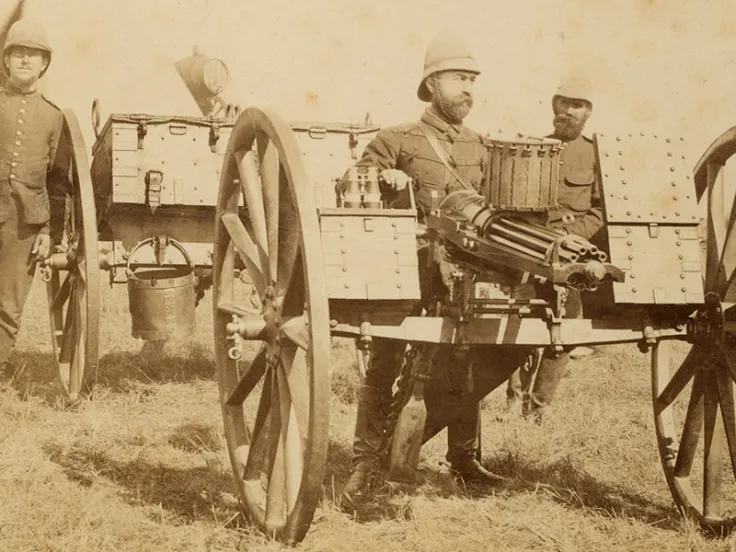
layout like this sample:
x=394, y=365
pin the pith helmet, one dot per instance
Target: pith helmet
x=30, y=34
x=446, y=52
x=575, y=87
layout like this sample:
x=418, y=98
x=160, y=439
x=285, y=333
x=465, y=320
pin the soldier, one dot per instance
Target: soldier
x=579, y=213
x=441, y=155
x=30, y=127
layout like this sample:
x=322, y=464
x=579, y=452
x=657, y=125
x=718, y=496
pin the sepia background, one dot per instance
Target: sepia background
x=665, y=64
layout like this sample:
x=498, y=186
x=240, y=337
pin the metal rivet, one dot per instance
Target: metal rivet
x=674, y=197
x=623, y=182
x=680, y=257
x=683, y=290
x=673, y=183
x=628, y=212
x=632, y=275
x=641, y=134
x=396, y=237
x=626, y=197
x=605, y=176
x=347, y=286
x=633, y=290
x=682, y=276
x=398, y=286
x=672, y=169
x=396, y=251
x=621, y=167
x=678, y=244
x=669, y=154
x=677, y=231
x=618, y=138
x=677, y=213
x=343, y=251
x=606, y=154
x=631, y=257
x=628, y=230
x=668, y=140
x=628, y=243
x=344, y=269
x=342, y=235
x=393, y=224
x=620, y=152
x=398, y=271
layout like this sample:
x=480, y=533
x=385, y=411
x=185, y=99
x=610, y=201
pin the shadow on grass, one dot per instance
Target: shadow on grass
x=156, y=363
x=185, y=495
x=561, y=481
x=36, y=373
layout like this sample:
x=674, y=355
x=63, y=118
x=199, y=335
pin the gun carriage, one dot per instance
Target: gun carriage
x=326, y=257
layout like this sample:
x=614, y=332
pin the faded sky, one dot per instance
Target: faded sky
x=667, y=65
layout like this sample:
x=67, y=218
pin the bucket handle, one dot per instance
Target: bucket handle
x=150, y=241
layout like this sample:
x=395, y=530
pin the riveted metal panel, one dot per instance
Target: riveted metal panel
x=645, y=178
x=662, y=264
x=370, y=256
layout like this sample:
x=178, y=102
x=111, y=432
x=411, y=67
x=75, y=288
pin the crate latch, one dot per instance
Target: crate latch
x=153, y=189
x=214, y=136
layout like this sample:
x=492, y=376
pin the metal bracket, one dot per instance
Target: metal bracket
x=153, y=189
x=160, y=243
x=214, y=136
x=142, y=131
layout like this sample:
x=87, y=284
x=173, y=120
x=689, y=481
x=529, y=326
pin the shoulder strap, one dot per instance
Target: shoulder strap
x=442, y=154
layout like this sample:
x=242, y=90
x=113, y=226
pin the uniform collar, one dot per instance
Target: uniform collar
x=433, y=119
x=580, y=138
x=14, y=91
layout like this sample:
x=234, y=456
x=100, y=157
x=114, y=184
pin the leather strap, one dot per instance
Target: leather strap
x=442, y=154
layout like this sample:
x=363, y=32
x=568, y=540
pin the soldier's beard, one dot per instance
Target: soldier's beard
x=567, y=127
x=454, y=109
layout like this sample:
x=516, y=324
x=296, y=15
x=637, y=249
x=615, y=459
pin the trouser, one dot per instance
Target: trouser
x=16, y=242
x=450, y=401
x=551, y=370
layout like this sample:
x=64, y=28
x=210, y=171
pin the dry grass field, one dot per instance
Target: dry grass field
x=144, y=466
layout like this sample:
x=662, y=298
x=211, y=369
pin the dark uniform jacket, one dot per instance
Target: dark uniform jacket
x=579, y=193
x=406, y=148
x=30, y=170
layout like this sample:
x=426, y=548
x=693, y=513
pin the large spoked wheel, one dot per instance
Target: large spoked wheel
x=277, y=438
x=74, y=290
x=694, y=402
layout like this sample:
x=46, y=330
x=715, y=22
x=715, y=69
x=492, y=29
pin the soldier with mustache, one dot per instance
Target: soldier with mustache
x=402, y=154
x=579, y=213
x=33, y=181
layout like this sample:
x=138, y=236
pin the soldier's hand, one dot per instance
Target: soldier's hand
x=395, y=178
x=41, y=247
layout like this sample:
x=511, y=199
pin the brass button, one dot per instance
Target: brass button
x=21, y=121
x=22, y=110
x=17, y=142
x=19, y=132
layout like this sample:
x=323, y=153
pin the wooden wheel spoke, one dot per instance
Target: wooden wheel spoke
x=691, y=429
x=271, y=185
x=679, y=380
x=726, y=400
x=713, y=449
x=246, y=248
x=293, y=461
x=295, y=330
x=296, y=373
x=252, y=192
x=289, y=240
x=276, y=493
x=62, y=294
x=253, y=374
x=262, y=439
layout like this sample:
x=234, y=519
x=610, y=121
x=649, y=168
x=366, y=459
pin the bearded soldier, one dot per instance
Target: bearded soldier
x=30, y=127
x=579, y=213
x=440, y=155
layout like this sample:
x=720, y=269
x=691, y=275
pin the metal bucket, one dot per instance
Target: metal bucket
x=161, y=302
